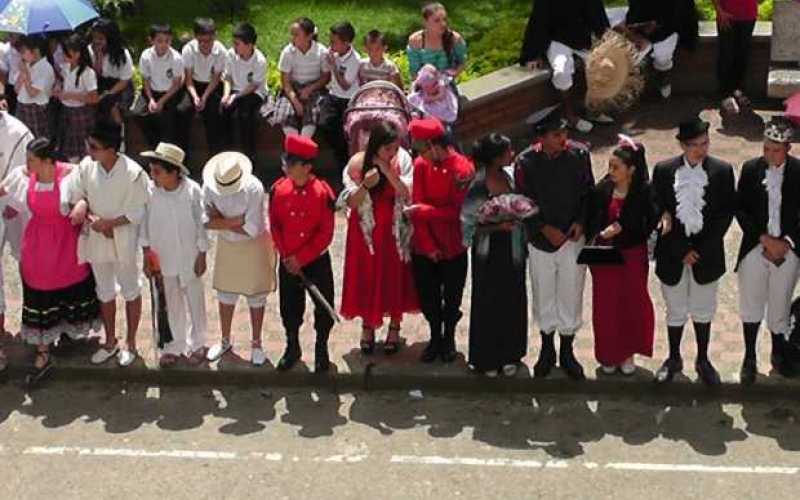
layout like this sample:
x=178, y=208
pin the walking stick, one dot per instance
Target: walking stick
x=158, y=303
x=314, y=291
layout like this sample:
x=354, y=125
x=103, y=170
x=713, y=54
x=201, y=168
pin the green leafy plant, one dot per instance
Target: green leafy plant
x=114, y=8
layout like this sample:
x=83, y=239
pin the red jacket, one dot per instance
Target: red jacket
x=741, y=10
x=440, y=190
x=301, y=218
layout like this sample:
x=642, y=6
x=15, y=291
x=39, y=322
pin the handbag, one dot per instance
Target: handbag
x=600, y=255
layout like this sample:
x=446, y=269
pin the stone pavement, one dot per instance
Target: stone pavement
x=653, y=124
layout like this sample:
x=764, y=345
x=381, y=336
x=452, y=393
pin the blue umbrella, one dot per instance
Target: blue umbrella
x=40, y=16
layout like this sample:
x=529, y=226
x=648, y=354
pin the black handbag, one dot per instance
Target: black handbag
x=600, y=255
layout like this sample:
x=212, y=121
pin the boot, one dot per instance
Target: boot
x=448, y=350
x=547, y=356
x=431, y=351
x=322, y=361
x=747, y=375
x=779, y=360
x=292, y=354
x=566, y=359
x=705, y=370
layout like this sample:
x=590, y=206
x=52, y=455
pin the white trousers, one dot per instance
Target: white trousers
x=253, y=301
x=664, y=53
x=117, y=277
x=557, y=288
x=562, y=62
x=762, y=285
x=688, y=299
x=189, y=336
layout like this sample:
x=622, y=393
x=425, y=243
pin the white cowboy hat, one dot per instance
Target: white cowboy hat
x=168, y=153
x=225, y=172
x=613, y=78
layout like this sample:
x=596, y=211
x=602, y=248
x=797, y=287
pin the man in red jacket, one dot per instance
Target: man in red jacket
x=441, y=179
x=301, y=221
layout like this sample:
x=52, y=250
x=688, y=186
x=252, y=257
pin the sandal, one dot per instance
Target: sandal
x=167, y=360
x=42, y=366
x=367, y=345
x=390, y=347
x=197, y=357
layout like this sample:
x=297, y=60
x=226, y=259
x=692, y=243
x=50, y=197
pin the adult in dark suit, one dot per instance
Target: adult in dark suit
x=768, y=211
x=695, y=193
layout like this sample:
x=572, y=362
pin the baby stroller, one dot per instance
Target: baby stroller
x=375, y=102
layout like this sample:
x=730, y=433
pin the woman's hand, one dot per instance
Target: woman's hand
x=371, y=179
x=77, y=216
x=611, y=231
x=665, y=224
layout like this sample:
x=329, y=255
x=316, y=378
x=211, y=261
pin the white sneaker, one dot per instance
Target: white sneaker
x=583, y=126
x=257, y=357
x=665, y=91
x=602, y=119
x=608, y=370
x=126, y=357
x=491, y=374
x=628, y=367
x=730, y=105
x=102, y=355
x=510, y=370
x=218, y=350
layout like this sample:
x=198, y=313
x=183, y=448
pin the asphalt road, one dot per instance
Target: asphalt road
x=113, y=441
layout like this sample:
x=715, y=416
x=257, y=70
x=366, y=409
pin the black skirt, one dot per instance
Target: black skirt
x=498, y=325
x=45, y=309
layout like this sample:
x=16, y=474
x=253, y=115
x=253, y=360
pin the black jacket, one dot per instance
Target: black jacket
x=752, y=204
x=672, y=16
x=571, y=22
x=720, y=197
x=637, y=218
x=561, y=187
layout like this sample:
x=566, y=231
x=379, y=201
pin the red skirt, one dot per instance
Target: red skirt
x=380, y=284
x=622, y=312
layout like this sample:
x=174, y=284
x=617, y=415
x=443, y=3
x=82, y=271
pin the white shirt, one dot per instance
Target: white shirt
x=173, y=228
x=347, y=66
x=690, y=188
x=773, y=183
x=304, y=68
x=85, y=84
x=123, y=72
x=204, y=66
x=249, y=201
x=10, y=60
x=14, y=139
x=122, y=191
x=161, y=71
x=42, y=79
x=241, y=73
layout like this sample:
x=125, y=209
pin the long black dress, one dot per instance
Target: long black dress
x=498, y=327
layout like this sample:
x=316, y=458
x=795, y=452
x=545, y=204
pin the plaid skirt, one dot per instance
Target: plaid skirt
x=283, y=112
x=34, y=116
x=76, y=125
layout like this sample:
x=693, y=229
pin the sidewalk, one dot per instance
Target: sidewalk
x=653, y=125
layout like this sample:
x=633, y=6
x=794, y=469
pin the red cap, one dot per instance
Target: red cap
x=300, y=146
x=426, y=129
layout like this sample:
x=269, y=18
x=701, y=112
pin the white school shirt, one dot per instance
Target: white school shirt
x=204, y=66
x=241, y=73
x=42, y=78
x=348, y=66
x=10, y=60
x=304, y=68
x=173, y=228
x=85, y=84
x=123, y=191
x=123, y=72
x=249, y=201
x=161, y=71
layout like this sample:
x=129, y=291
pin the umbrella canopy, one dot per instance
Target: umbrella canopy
x=41, y=16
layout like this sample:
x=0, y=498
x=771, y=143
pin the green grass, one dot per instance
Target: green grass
x=492, y=28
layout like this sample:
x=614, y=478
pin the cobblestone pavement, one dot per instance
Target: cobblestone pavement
x=654, y=125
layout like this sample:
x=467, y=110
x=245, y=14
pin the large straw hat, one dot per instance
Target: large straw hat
x=168, y=153
x=613, y=78
x=225, y=172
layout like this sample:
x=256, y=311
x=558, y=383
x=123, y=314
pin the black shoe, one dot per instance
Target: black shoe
x=779, y=359
x=448, y=351
x=546, y=362
x=707, y=373
x=567, y=361
x=322, y=361
x=431, y=352
x=668, y=370
x=747, y=375
x=37, y=375
x=367, y=346
x=291, y=355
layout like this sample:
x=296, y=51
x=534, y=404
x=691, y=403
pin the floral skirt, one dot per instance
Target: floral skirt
x=46, y=314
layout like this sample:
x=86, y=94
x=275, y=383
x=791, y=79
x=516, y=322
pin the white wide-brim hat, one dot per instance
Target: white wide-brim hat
x=226, y=171
x=168, y=153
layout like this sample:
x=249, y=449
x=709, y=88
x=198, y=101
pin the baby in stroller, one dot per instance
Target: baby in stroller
x=433, y=96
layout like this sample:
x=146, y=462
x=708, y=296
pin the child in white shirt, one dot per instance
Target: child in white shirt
x=162, y=71
x=34, y=86
x=78, y=94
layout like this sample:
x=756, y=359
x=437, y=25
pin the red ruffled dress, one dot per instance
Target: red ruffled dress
x=376, y=284
x=622, y=312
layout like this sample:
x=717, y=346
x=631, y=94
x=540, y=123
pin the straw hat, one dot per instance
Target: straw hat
x=613, y=79
x=225, y=172
x=168, y=153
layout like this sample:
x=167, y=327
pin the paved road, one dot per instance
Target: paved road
x=113, y=441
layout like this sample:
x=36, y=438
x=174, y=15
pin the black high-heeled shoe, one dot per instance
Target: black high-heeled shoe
x=367, y=345
x=391, y=347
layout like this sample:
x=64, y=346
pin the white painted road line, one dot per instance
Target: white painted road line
x=714, y=469
x=480, y=462
x=130, y=453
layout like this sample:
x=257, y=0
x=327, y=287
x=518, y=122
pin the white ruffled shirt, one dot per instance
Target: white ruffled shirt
x=773, y=183
x=690, y=188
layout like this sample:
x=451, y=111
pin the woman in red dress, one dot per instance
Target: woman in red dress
x=377, y=269
x=624, y=216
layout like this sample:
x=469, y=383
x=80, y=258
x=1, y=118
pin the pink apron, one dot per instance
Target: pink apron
x=50, y=241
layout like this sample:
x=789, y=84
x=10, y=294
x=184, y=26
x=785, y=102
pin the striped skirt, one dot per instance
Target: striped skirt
x=34, y=116
x=76, y=125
